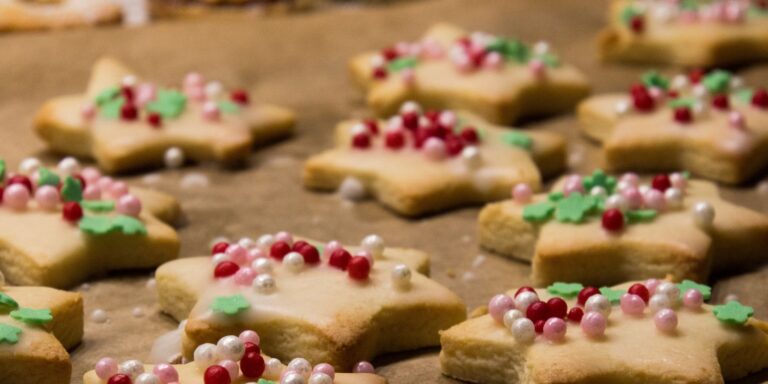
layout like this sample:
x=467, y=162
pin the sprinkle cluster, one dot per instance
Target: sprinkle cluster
x=73, y=191
x=526, y=316
x=693, y=95
x=468, y=54
x=635, y=16
x=131, y=102
x=9, y=334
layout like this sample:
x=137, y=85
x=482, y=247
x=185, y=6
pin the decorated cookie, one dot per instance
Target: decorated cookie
x=231, y=360
x=55, y=14
x=598, y=229
x=128, y=124
x=37, y=327
x=496, y=78
x=649, y=332
x=696, y=33
x=59, y=226
x=426, y=161
x=326, y=302
x=708, y=123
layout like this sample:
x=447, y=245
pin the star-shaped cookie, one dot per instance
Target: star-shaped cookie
x=496, y=78
x=421, y=162
x=126, y=125
x=55, y=14
x=660, y=334
x=233, y=359
x=326, y=303
x=597, y=230
x=37, y=327
x=693, y=33
x=54, y=232
x=707, y=123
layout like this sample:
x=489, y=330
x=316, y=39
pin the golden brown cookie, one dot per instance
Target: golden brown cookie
x=600, y=231
x=421, y=162
x=126, y=125
x=687, y=33
x=499, y=79
x=33, y=15
x=326, y=303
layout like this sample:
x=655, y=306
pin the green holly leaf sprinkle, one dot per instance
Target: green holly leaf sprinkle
x=230, y=305
x=98, y=205
x=46, y=177
x=169, y=103
x=7, y=302
x=613, y=295
x=598, y=178
x=687, y=102
x=733, y=312
x=538, y=211
x=228, y=107
x=567, y=290
x=654, y=79
x=686, y=174
x=71, y=190
x=9, y=334
x=555, y=196
x=717, y=81
x=32, y=316
x=107, y=94
x=687, y=285
x=517, y=139
x=550, y=60
x=2, y=170
x=574, y=208
x=629, y=13
x=510, y=49
x=100, y=225
x=744, y=95
x=111, y=108
x=401, y=63
x=265, y=381
x=640, y=215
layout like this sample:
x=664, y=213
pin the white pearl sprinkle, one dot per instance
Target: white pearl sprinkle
x=598, y=303
x=700, y=91
x=247, y=243
x=673, y=198
x=352, y=189
x=409, y=107
x=736, y=82
x=523, y=330
x=401, y=276
x=131, y=368
x=731, y=297
x=205, y=355
x=597, y=191
x=273, y=367
x=524, y=299
x=99, y=316
x=264, y=283
x=147, y=378
x=377, y=61
x=510, y=317
x=357, y=129
x=622, y=107
x=230, y=348
x=137, y=312
x=265, y=241
x=262, y=265
x=703, y=214
x=658, y=302
x=129, y=81
x=219, y=258
x=300, y=366
x=471, y=157
x=320, y=378
x=151, y=283
x=68, y=166
x=374, y=244
x=671, y=290
x=294, y=261
x=29, y=166
x=541, y=48
x=679, y=82
x=173, y=157
x=617, y=201
x=213, y=89
x=292, y=378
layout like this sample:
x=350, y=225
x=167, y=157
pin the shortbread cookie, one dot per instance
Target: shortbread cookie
x=54, y=232
x=694, y=33
x=326, y=303
x=232, y=360
x=424, y=162
x=496, y=78
x=37, y=327
x=125, y=124
x=56, y=14
x=709, y=124
x=598, y=230
x=650, y=332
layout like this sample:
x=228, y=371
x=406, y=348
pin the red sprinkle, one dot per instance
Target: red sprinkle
x=340, y=259
x=637, y=23
x=760, y=98
x=557, y=307
x=155, y=120
x=119, y=379
x=537, y=311
x=240, y=96
x=225, y=269
x=410, y=120
x=359, y=268
x=696, y=75
x=683, y=115
x=524, y=289
x=129, y=112
x=469, y=135
x=251, y=347
x=372, y=125
x=640, y=290
x=1, y=193
x=379, y=73
x=720, y=101
x=453, y=145
x=252, y=365
x=389, y=53
x=432, y=115
x=279, y=249
x=127, y=92
x=216, y=374
x=586, y=293
x=538, y=326
x=661, y=182
x=361, y=141
x=219, y=247
x=643, y=101
x=310, y=253
x=575, y=314
x=613, y=220
x=394, y=140
x=72, y=211
x=80, y=179
x=20, y=179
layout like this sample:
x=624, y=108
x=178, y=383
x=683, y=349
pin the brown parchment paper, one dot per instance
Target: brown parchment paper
x=300, y=60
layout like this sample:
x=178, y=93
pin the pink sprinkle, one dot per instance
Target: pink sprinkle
x=118, y=189
x=129, y=205
x=47, y=197
x=105, y=183
x=632, y=305
x=431, y=49
x=522, y=193
x=736, y=120
x=493, y=60
x=408, y=76
x=630, y=178
x=193, y=79
x=195, y=93
x=106, y=368
x=678, y=181
x=434, y=149
x=254, y=254
x=92, y=192
x=166, y=373
x=499, y=305
x=325, y=368
x=693, y=299
x=145, y=93
x=285, y=237
x=211, y=111
x=232, y=368
x=633, y=197
x=573, y=185
x=593, y=324
x=666, y=320
x=331, y=247
x=88, y=111
x=554, y=329
x=237, y=254
x=656, y=93
x=654, y=199
x=90, y=174
x=16, y=196
x=652, y=284
x=249, y=336
x=402, y=47
x=537, y=68
x=245, y=276
x=363, y=367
